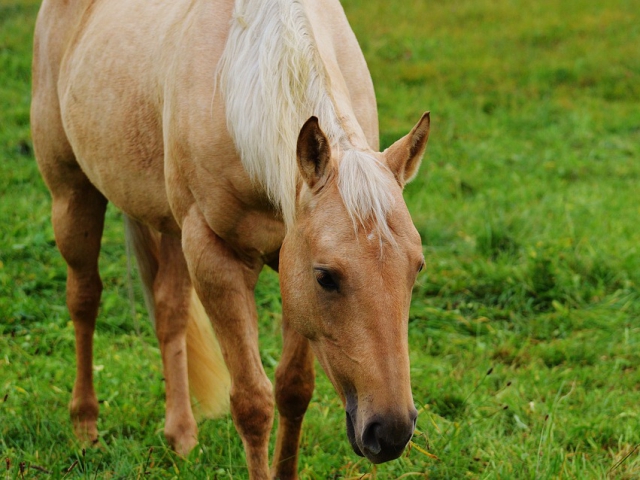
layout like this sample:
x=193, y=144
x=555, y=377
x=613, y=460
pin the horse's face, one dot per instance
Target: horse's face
x=348, y=289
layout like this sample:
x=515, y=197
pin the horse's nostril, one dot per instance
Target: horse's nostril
x=371, y=438
x=351, y=435
x=413, y=415
x=384, y=439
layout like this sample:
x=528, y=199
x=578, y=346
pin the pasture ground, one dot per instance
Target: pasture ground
x=525, y=340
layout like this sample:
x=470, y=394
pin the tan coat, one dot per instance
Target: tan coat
x=131, y=105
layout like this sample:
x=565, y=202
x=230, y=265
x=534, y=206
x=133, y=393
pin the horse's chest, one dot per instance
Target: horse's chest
x=255, y=232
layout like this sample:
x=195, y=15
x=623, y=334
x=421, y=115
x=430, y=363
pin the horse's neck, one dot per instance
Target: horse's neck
x=278, y=68
x=339, y=94
x=336, y=86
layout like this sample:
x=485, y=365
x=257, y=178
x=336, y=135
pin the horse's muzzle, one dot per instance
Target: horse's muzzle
x=351, y=435
x=383, y=438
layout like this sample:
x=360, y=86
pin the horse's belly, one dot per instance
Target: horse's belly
x=113, y=122
x=123, y=158
x=135, y=184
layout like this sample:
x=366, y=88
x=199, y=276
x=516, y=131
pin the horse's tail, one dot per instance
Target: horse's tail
x=209, y=379
x=208, y=375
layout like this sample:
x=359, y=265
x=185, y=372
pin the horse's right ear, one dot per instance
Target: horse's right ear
x=313, y=152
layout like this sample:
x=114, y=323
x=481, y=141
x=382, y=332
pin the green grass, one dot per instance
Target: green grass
x=528, y=206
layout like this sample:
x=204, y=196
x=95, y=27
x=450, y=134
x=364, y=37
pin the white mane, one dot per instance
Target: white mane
x=272, y=79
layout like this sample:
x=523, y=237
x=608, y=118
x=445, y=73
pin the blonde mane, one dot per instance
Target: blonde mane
x=272, y=79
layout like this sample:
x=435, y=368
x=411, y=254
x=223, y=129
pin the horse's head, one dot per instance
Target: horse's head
x=348, y=266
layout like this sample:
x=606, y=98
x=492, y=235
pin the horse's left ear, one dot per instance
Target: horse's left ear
x=313, y=152
x=404, y=156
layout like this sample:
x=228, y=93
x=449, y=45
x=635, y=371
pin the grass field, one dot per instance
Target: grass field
x=524, y=329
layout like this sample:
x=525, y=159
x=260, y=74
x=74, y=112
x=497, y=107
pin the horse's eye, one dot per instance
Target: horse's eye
x=326, y=280
x=421, y=267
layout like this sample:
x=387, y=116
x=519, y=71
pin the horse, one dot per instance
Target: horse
x=234, y=135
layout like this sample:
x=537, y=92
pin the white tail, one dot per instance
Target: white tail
x=209, y=380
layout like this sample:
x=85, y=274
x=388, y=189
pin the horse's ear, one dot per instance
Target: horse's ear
x=313, y=152
x=404, y=156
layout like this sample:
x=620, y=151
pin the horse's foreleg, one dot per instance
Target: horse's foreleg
x=295, y=379
x=225, y=283
x=78, y=218
x=172, y=293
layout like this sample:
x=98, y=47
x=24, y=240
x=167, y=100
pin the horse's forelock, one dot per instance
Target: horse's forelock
x=365, y=188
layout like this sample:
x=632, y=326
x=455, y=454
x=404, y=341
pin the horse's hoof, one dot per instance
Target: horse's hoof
x=276, y=476
x=183, y=438
x=184, y=446
x=87, y=432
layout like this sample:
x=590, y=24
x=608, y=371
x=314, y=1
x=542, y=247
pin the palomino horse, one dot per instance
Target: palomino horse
x=234, y=136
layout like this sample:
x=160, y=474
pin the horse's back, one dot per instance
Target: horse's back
x=99, y=81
